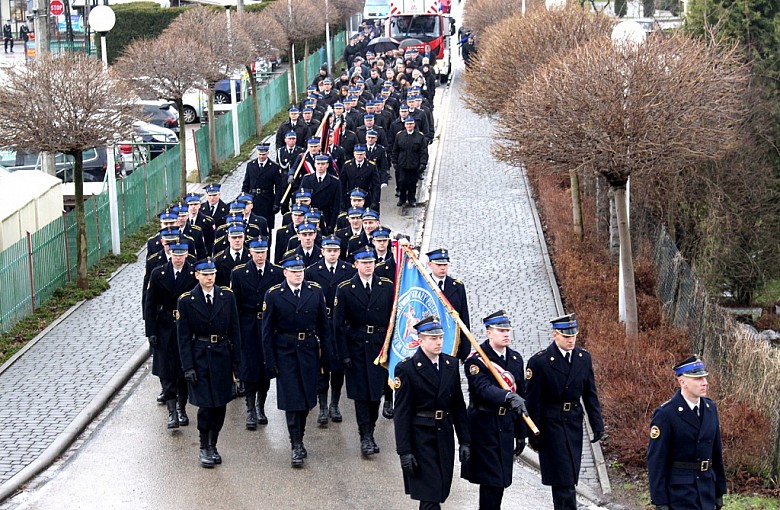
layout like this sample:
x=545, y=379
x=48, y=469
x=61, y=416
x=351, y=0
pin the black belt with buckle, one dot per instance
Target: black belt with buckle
x=436, y=415
x=212, y=339
x=563, y=406
x=501, y=411
x=371, y=329
x=300, y=335
x=703, y=465
x=261, y=190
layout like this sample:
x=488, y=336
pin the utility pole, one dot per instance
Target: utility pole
x=41, y=29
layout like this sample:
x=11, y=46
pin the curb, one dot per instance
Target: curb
x=598, y=455
x=85, y=417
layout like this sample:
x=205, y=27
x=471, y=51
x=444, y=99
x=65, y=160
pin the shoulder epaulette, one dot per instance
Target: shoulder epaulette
x=152, y=237
x=185, y=294
x=662, y=405
x=240, y=266
x=385, y=279
x=354, y=236
x=289, y=252
x=342, y=214
x=275, y=287
x=345, y=282
x=196, y=227
x=226, y=288
x=315, y=284
x=274, y=265
x=217, y=255
x=539, y=353
x=370, y=162
x=457, y=281
x=348, y=161
x=405, y=360
x=188, y=237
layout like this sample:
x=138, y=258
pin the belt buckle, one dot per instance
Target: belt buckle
x=259, y=315
x=567, y=406
x=501, y=411
x=705, y=465
x=370, y=329
x=438, y=415
x=327, y=310
x=302, y=335
x=214, y=339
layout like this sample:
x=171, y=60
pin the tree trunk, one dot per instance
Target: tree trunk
x=614, y=235
x=627, y=261
x=81, y=224
x=182, y=147
x=306, y=61
x=602, y=208
x=213, y=131
x=576, y=204
x=293, y=78
x=255, y=101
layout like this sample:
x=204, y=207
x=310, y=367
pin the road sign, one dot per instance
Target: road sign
x=56, y=7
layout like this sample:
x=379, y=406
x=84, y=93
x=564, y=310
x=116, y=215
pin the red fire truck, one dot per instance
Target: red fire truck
x=425, y=21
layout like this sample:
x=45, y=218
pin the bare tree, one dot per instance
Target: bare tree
x=266, y=37
x=301, y=20
x=226, y=52
x=673, y=104
x=480, y=15
x=65, y=104
x=166, y=68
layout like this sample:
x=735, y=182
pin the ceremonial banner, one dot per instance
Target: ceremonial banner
x=416, y=297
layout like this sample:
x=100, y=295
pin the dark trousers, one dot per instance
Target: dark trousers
x=211, y=419
x=172, y=388
x=367, y=413
x=296, y=424
x=490, y=497
x=261, y=387
x=564, y=497
x=407, y=183
x=334, y=380
x=9, y=40
x=388, y=393
x=430, y=505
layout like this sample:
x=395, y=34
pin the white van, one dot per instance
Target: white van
x=376, y=9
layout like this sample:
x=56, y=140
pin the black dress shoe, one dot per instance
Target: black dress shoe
x=296, y=459
x=366, y=448
x=262, y=419
x=400, y=203
x=335, y=413
x=181, y=410
x=215, y=454
x=161, y=398
x=373, y=443
x=205, y=458
x=303, y=450
x=387, y=410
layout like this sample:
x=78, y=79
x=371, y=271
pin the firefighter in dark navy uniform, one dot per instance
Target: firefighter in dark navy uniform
x=230, y=257
x=209, y=344
x=265, y=182
x=249, y=282
x=453, y=289
x=329, y=272
x=429, y=405
x=197, y=218
x=214, y=207
x=557, y=378
x=497, y=430
x=360, y=316
x=166, y=283
x=296, y=334
x=685, y=454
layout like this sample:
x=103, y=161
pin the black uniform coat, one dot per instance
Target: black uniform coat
x=381, y=136
x=152, y=261
x=354, y=310
x=386, y=267
x=161, y=299
x=493, y=435
x=366, y=177
x=285, y=157
x=283, y=236
x=551, y=382
x=195, y=233
x=297, y=361
x=410, y=150
x=213, y=362
x=354, y=244
x=420, y=387
x=266, y=183
x=455, y=292
x=250, y=288
x=378, y=155
x=206, y=224
x=315, y=254
x=677, y=435
x=325, y=196
x=225, y=263
x=217, y=215
x=319, y=273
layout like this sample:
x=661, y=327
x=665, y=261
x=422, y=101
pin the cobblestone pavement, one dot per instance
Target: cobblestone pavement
x=484, y=215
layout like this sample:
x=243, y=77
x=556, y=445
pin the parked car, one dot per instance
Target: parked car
x=94, y=163
x=154, y=138
x=196, y=101
x=161, y=113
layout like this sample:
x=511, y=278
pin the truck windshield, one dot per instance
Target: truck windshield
x=403, y=27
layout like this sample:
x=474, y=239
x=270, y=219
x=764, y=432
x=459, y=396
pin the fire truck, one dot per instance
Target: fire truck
x=425, y=21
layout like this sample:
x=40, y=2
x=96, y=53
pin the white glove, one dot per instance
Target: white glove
x=383, y=186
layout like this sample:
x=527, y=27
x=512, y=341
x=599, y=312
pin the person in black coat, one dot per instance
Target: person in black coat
x=265, y=182
x=385, y=262
x=428, y=406
x=214, y=207
x=295, y=336
x=557, y=378
x=197, y=218
x=410, y=157
x=494, y=414
x=361, y=314
x=359, y=173
x=209, y=344
x=249, y=282
x=453, y=289
x=166, y=284
x=378, y=155
x=329, y=272
x=685, y=454
x=168, y=220
x=190, y=231
x=307, y=249
x=326, y=192
x=288, y=151
x=232, y=256
x=294, y=124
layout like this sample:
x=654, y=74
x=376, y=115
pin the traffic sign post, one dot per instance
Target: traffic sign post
x=56, y=7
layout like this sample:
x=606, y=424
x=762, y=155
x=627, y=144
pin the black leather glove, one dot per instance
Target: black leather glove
x=153, y=342
x=519, y=446
x=409, y=464
x=533, y=442
x=271, y=372
x=661, y=507
x=191, y=377
x=347, y=362
x=464, y=453
x=516, y=403
x=718, y=502
x=597, y=435
x=275, y=209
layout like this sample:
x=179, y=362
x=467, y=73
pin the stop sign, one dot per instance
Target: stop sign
x=56, y=7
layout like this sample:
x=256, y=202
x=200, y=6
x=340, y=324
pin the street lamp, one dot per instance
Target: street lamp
x=102, y=20
x=627, y=37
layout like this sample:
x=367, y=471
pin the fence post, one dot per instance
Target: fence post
x=165, y=176
x=97, y=226
x=146, y=192
x=32, y=272
x=124, y=211
x=67, y=245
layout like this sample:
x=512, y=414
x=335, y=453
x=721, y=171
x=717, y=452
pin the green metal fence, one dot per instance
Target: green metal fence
x=37, y=265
